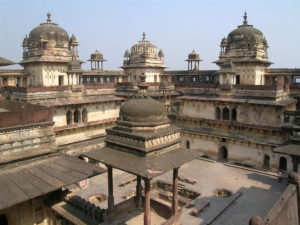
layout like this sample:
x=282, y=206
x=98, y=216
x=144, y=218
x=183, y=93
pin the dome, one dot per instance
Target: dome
x=96, y=56
x=143, y=109
x=49, y=31
x=193, y=55
x=144, y=47
x=245, y=34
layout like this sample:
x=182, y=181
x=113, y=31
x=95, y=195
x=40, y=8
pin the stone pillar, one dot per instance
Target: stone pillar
x=295, y=160
x=110, y=189
x=147, y=213
x=175, y=192
x=139, y=191
x=101, y=65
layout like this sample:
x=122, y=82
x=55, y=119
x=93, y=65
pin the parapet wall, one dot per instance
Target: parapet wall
x=17, y=114
x=284, y=211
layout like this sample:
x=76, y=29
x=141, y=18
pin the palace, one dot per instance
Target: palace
x=244, y=114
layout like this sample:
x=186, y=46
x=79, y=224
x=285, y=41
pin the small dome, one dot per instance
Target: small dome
x=49, y=31
x=193, y=55
x=143, y=109
x=25, y=41
x=73, y=41
x=224, y=42
x=245, y=34
x=126, y=54
x=96, y=56
x=161, y=53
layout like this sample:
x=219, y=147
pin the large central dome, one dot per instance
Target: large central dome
x=144, y=47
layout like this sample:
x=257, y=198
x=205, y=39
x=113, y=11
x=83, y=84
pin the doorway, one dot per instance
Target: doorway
x=60, y=80
x=282, y=163
x=237, y=79
x=3, y=219
x=223, y=154
x=267, y=161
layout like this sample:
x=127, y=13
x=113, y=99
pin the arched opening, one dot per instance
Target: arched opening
x=187, y=144
x=155, y=78
x=84, y=115
x=223, y=154
x=68, y=117
x=225, y=113
x=218, y=113
x=233, y=114
x=266, y=161
x=76, y=116
x=3, y=219
x=237, y=79
x=282, y=163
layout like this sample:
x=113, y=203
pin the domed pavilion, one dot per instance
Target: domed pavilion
x=243, y=57
x=144, y=144
x=144, y=57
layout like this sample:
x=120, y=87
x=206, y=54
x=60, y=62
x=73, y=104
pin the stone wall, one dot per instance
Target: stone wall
x=284, y=211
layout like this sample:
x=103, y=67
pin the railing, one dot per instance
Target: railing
x=100, y=85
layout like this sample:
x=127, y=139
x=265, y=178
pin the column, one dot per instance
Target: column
x=175, y=192
x=101, y=65
x=72, y=117
x=295, y=160
x=139, y=191
x=110, y=189
x=147, y=213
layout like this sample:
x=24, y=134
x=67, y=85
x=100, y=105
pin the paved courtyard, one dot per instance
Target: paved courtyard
x=255, y=193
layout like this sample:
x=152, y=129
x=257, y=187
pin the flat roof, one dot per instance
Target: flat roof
x=144, y=166
x=40, y=177
x=283, y=102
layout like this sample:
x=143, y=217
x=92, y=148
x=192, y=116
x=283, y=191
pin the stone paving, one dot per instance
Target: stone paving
x=258, y=192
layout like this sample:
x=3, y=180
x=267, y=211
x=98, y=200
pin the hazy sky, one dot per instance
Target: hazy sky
x=178, y=27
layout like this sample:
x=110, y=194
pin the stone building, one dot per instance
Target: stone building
x=236, y=117
x=32, y=172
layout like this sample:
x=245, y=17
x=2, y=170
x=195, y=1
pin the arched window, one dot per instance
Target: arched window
x=187, y=144
x=68, y=117
x=282, y=163
x=84, y=115
x=218, y=113
x=77, y=116
x=225, y=113
x=233, y=114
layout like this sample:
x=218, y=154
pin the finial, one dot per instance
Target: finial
x=245, y=19
x=48, y=17
x=143, y=85
x=144, y=36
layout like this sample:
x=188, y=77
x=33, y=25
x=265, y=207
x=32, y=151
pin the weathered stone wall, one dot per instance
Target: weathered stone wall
x=284, y=211
x=246, y=113
x=26, y=141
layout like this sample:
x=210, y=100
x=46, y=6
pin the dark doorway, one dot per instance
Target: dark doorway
x=266, y=161
x=218, y=113
x=60, y=80
x=76, y=116
x=68, y=117
x=225, y=113
x=84, y=115
x=233, y=114
x=3, y=219
x=188, y=144
x=223, y=153
x=282, y=163
x=237, y=79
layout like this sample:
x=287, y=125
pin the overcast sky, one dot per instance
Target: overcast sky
x=177, y=27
